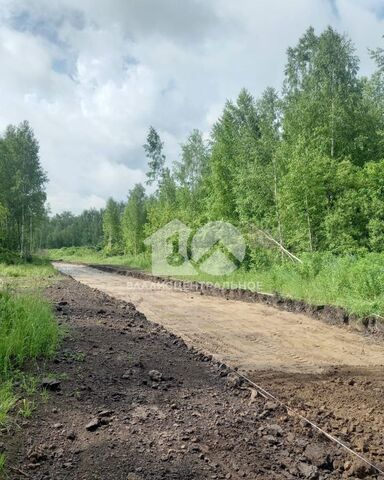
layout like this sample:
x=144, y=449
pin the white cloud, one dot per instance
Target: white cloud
x=92, y=75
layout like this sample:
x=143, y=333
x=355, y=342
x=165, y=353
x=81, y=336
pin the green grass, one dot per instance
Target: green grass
x=7, y=401
x=28, y=330
x=355, y=283
x=26, y=408
x=27, y=383
x=35, y=275
x=91, y=255
x=2, y=463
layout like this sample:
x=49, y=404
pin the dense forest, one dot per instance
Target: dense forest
x=305, y=166
x=66, y=229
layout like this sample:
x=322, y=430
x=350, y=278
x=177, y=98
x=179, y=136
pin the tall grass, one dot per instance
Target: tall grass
x=2, y=463
x=28, y=330
x=32, y=276
x=7, y=400
x=355, y=283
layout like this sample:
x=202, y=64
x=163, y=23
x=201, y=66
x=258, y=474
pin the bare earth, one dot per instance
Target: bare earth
x=332, y=375
x=134, y=403
x=248, y=336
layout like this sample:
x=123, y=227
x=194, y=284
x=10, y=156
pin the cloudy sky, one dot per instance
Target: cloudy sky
x=92, y=75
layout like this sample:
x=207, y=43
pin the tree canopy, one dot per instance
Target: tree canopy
x=22, y=190
x=306, y=166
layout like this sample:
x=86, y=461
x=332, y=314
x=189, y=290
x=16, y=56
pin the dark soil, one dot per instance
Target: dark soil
x=129, y=401
x=347, y=403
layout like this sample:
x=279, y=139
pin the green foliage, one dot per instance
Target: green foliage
x=306, y=167
x=39, y=268
x=156, y=159
x=91, y=255
x=190, y=172
x=22, y=190
x=9, y=257
x=258, y=182
x=28, y=330
x=134, y=219
x=3, y=462
x=351, y=282
x=3, y=218
x=194, y=160
x=306, y=188
x=112, y=227
x=67, y=230
x=38, y=274
x=26, y=408
x=324, y=101
x=236, y=128
x=7, y=402
x=27, y=383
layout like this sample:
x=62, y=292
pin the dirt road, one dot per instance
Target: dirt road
x=332, y=375
x=135, y=404
x=249, y=336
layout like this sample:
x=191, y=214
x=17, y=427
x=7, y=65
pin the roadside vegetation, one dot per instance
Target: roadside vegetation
x=351, y=282
x=27, y=326
x=98, y=256
x=33, y=275
x=303, y=166
x=28, y=330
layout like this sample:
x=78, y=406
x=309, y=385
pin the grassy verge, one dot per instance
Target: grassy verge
x=27, y=276
x=28, y=331
x=91, y=255
x=355, y=283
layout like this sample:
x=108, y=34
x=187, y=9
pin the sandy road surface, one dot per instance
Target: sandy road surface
x=249, y=336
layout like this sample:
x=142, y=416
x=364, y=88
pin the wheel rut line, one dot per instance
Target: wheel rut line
x=269, y=396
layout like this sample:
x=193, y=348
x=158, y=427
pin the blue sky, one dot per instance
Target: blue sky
x=92, y=75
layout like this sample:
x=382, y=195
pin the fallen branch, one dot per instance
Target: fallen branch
x=282, y=248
